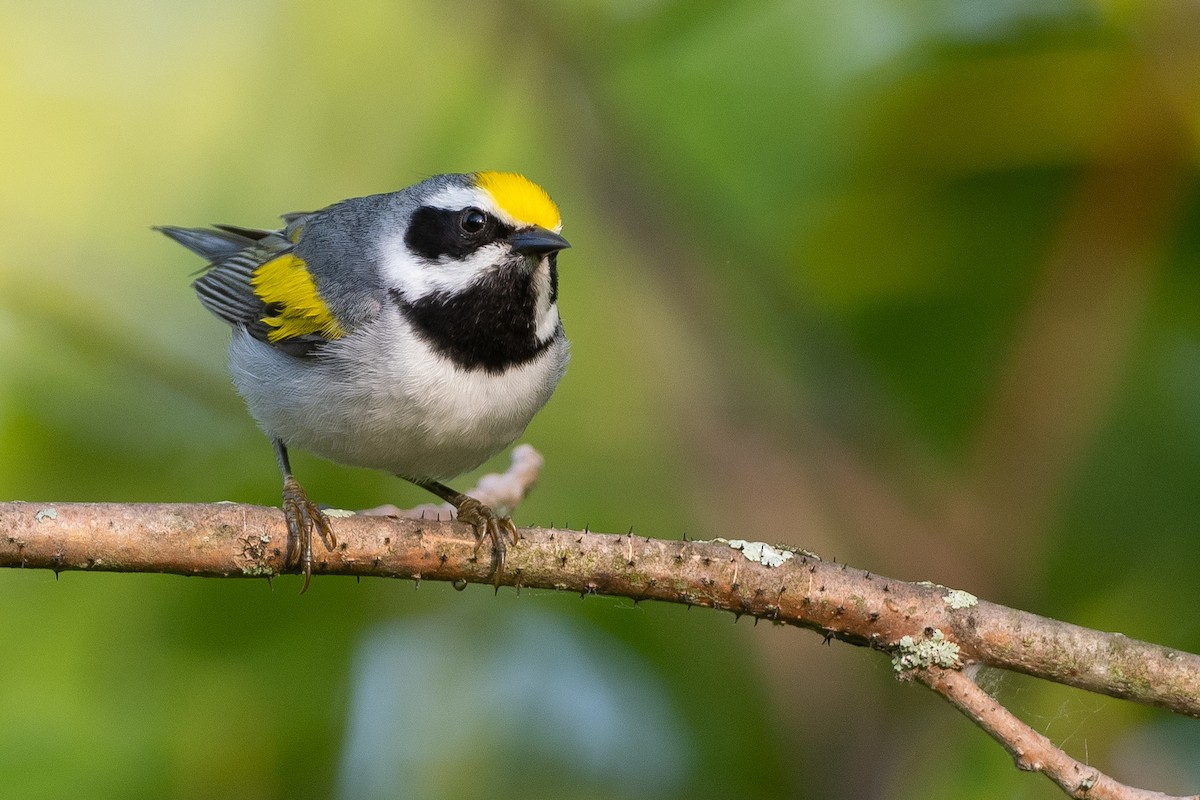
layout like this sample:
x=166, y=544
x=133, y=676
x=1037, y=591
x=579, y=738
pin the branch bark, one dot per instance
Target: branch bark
x=930, y=631
x=1030, y=750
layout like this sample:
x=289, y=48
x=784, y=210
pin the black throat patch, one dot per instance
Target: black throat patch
x=492, y=325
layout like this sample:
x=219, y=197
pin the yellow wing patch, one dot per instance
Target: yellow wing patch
x=520, y=198
x=285, y=282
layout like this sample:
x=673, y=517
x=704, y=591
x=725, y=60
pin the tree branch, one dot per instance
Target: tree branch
x=1031, y=750
x=929, y=630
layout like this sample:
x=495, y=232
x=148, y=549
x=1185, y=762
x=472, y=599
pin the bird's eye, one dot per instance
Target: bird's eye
x=472, y=221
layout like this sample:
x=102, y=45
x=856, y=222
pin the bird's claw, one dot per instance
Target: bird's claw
x=303, y=517
x=488, y=525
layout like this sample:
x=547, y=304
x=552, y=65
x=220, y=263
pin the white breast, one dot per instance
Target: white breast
x=389, y=402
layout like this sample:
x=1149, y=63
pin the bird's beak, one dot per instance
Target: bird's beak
x=537, y=241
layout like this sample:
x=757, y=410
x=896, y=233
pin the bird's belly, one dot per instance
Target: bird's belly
x=416, y=415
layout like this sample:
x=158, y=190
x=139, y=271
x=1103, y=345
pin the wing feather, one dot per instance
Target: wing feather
x=255, y=281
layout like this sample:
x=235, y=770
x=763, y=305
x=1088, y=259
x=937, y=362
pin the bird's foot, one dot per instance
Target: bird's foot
x=487, y=525
x=303, y=517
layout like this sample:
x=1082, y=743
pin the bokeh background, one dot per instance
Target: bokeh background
x=915, y=285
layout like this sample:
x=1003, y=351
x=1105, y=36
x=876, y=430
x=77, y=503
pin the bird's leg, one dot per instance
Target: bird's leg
x=485, y=521
x=302, y=517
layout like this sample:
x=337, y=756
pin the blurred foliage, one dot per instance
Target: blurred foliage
x=913, y=284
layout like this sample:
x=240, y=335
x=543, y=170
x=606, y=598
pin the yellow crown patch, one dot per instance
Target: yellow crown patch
x=520, y=198
x=285, y=282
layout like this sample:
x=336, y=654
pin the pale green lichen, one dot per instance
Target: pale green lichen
x=957, y=598
x=759, y=552
x=45, y=514
x=935, y=651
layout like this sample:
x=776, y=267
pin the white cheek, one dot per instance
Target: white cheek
x=546, y=312
x=417, y=277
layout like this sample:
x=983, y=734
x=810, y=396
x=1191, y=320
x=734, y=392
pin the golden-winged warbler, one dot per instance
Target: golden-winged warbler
x=415, y=332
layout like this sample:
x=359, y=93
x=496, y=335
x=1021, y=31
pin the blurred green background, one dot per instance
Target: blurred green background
x=914, y=285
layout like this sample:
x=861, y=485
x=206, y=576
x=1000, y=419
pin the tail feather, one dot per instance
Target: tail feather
x=249, y=234
x=212, y=244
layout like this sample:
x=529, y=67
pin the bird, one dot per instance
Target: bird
x=415, y=332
